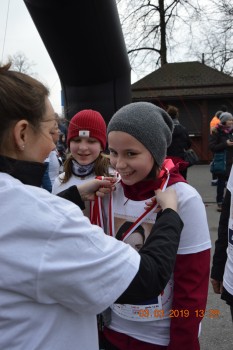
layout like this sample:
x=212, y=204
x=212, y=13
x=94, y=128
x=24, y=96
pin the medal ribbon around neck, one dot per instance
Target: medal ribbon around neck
x=96, y=211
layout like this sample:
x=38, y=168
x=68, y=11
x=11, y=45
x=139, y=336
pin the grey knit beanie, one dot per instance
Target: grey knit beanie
x=225, y=116
x=149, y=124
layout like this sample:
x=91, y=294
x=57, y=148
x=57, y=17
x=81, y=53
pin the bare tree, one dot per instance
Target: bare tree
x=21, y=63
x=216, y=35
x=150, y=28
x=217, y=52
x=226, y=10
x=158, y=31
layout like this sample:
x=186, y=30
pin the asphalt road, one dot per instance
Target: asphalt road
x=217, y=326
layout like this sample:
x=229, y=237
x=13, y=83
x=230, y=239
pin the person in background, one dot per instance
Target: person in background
x=86, y=139
x=221, y=139
x=62, y=124
x=53, y=163
x=138, y=137
x=180, y=141
x=221, y=281
x=57, y=270
x=61, y=147
x=213, y=123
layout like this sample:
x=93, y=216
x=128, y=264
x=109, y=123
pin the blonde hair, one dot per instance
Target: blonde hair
x=101, y=167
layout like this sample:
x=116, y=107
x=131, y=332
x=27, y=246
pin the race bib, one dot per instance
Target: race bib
x=150, y=311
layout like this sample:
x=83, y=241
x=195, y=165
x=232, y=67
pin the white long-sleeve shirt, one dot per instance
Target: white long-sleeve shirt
x=57, y=271
x=228, y=273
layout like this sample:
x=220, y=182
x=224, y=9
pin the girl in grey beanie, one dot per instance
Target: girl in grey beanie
x=149, y=124
x=139, y=133
x=138, y=136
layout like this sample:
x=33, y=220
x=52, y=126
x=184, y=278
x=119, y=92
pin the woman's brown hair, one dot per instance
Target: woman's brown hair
x=21, y=97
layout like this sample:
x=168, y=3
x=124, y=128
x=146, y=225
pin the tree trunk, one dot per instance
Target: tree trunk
x=163, y=45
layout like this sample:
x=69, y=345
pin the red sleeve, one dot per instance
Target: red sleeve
x=191, y=280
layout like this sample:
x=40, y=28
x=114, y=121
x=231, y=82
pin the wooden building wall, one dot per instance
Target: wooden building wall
x=195, y=115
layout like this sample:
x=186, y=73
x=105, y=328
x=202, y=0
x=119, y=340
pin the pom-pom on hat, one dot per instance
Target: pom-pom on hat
x=88, y=123
x=218, y=113
x=225, y=116
x=149, y=124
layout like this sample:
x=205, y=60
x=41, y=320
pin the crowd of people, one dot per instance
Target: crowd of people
x=58, y=271
x=221, y=143
x=107, y=250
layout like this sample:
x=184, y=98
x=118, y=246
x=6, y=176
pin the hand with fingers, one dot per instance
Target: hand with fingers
x=165, y=199
x=217, y=286
x=96, y=187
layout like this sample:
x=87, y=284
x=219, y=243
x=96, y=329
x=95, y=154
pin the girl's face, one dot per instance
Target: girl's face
x=135, y=240
x=229, y=124
x=85, y=150
x=129, y=157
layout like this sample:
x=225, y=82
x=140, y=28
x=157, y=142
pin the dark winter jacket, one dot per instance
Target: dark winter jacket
x=218, y=143
x=220, y=253
x=180, y=141
x=221, y=244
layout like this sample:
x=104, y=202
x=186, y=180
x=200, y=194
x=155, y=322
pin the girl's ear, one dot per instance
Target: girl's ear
x=157, y=169
x=20, y=133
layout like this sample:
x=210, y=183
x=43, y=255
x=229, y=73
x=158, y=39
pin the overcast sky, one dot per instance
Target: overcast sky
x=19, y=34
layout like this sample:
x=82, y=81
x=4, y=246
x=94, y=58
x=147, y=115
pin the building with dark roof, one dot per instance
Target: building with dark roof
x=196, y=89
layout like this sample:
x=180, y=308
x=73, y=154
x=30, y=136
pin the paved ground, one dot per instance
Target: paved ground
x=217, y=333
